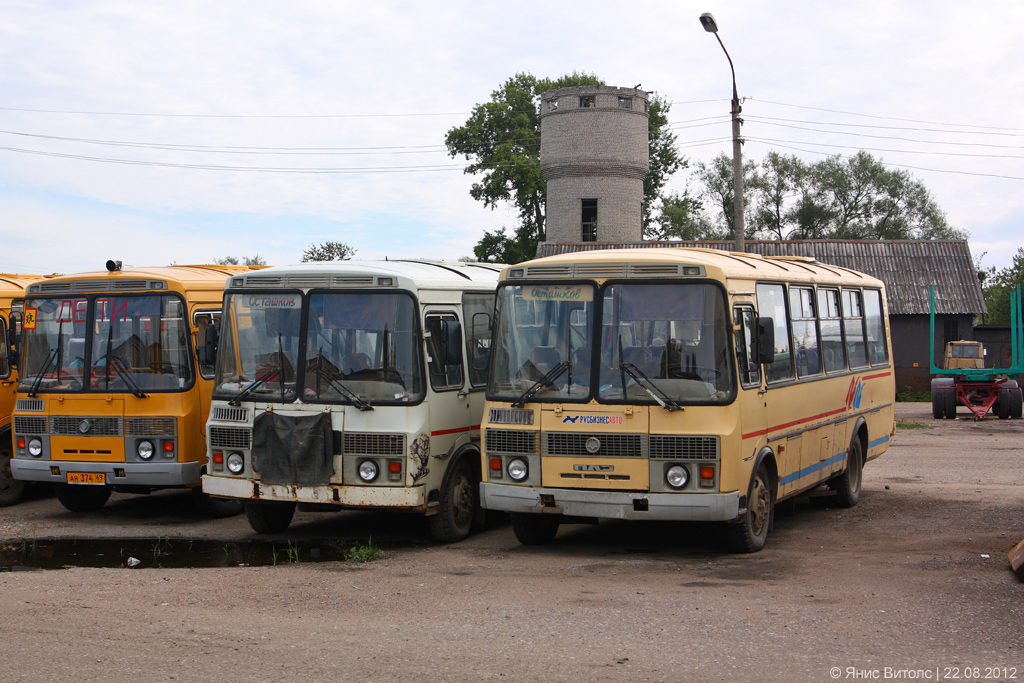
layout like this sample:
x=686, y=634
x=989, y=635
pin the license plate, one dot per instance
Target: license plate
x=87, y=478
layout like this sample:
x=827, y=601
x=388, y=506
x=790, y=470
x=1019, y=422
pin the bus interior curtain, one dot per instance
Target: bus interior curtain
x=293, y=450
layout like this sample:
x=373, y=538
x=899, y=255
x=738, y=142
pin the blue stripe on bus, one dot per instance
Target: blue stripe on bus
x=807, y=471
x=878, y=442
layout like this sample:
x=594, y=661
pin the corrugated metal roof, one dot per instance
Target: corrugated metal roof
x=907, y=267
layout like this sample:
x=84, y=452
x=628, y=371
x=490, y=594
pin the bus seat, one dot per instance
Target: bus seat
x=354, y=362
x=545, y=357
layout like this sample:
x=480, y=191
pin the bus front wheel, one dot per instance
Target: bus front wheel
x=534, y=529
x=82, y=498
x=269, y=518
x=459, y=496
x=10, y=488
x=848, y=484
x=750, y=533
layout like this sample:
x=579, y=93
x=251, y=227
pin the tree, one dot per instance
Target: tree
x=775, y=185
x=501, y=139
x=328, y=251
x=716, y=178
x=997, y=287
x=681, y=218
x=256, y=260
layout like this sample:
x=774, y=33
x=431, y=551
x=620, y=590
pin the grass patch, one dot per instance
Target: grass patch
x=912, y=424
x=908, y=395
x=360, y=552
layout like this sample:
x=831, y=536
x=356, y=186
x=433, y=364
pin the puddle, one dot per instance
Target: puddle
x=173, y=553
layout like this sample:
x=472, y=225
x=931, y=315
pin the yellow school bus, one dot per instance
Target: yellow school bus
x=12, y=293
x=114, y=387
x=357, y=384
x=681, y=384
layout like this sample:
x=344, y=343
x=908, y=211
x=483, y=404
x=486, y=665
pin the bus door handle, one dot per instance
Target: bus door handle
x=462, y=393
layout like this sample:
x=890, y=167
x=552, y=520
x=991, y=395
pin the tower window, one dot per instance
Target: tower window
x=552, y=105
x=589, y=220
x=586, y=101
x=625, y=103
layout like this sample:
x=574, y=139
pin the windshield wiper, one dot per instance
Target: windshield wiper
x=255, y=384
x=645, y=383
x=321, y=373
x=548, y=379
x=38, y=379
x=125, y=374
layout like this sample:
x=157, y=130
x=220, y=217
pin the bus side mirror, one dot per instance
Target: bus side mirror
x=14, y=324
x=451, y=342
x=210, y=345
x=765, y=340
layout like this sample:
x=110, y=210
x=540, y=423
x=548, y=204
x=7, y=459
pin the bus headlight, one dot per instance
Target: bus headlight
x=368, y=470
x=517, y=469
x=677, y=476
x=236, y=463
x=145, y=449
x=35, y=447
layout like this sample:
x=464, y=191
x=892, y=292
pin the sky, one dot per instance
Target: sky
x=155, y=133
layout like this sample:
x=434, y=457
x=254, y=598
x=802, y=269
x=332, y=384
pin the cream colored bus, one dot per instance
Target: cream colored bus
x=114, y=387
x=681, y=384
x=357, y=384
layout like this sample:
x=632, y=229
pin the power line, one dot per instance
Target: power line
x=885, y=137
x=875, y=116
x=231, y=116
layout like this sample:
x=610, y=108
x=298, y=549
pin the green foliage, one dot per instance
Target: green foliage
x=835, y=198
x=999, y=285
x=328, y=251
x=256, y=260
x=501, y=140
x=363, y=553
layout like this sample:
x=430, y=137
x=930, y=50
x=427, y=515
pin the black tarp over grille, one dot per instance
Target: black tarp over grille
x=293, y=450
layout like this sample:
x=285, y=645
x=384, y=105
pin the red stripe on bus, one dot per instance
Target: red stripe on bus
x=442, y=432
x=881, y=374
x=795, y=422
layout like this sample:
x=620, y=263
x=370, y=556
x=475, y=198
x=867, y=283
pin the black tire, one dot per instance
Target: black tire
x=269, y=518
x=938, y=403
x=848, y=484
x=750, y=533
x=1002, y=406
x=81, y=497
x=950, y=401
x=215, y=508
x=534, y=529
x=1016, y=403
x=460, y=499
x=11, y=489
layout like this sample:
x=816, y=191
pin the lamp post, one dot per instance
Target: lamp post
x=708, y=22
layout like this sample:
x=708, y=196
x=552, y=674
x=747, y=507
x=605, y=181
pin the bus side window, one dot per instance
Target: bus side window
x=878, y=350
x=442, y=377
x=207, y=336
x=477, y=309
x=771, y=303
x=746, y=353
x=832, y=348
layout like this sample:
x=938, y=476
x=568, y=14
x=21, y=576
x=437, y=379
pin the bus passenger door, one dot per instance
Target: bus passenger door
x=753, y=414
x=207, y=326
x=450, y=414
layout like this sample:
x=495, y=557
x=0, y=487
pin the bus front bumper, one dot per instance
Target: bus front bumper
x=703, y=507
x=155, y=474
x=413, y=498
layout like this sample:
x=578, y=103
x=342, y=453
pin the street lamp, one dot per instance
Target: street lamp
x=708, y=22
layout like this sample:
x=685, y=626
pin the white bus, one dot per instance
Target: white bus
x=681, y=384
x=353, y=385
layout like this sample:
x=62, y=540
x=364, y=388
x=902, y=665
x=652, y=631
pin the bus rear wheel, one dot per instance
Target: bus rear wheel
x=11, y=489
x=459, y=501
x=269, y=518
x=534, y=529
x=750, y=533
x=82, y=498
x=848, y=484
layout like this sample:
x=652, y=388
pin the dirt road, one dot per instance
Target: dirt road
x=914, y=580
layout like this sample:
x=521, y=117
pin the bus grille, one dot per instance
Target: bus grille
x=510, y=441
x=30, y=405
x=611, y=445
x=228, y=414
x=510, y=416
x=67, y=425
x=230, y=437
x=152, y=426
x=373, y=444
x=684, y=447
x=29, y=425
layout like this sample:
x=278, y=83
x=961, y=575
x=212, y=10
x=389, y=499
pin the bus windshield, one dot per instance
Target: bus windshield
x=664, y=344
x=359, y=347
x=131, y=343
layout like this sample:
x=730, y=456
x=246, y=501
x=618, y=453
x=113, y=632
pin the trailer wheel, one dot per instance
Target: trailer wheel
x=847, y=485
x=938, y=403
x=1016, y=403
x=269, y=518
x=82, y=497
x=950, y=401
x=1003, y=406
x=534, y=529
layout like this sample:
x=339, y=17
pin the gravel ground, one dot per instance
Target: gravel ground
x=913, y=581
